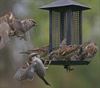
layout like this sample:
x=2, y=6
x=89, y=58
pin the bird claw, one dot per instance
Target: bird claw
x=46, y=68
x=68, y=68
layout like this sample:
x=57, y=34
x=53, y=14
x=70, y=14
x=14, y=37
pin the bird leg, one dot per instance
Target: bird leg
x=68, y=68
x=46, y=68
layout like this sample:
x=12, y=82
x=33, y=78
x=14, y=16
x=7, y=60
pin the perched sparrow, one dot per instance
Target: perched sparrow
x=65, y=51
x=89, y=51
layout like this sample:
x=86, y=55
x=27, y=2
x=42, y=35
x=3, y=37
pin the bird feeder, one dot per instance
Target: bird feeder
x=65, y=22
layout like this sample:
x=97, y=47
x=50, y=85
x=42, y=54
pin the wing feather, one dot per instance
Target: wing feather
x=4, y=34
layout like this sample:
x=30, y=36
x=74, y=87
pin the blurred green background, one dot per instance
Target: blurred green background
x=81, y=77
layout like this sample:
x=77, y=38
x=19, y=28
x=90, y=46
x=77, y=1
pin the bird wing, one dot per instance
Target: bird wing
x=24, y=73
x=4, y=34
x=20, y=74
x=30, y=73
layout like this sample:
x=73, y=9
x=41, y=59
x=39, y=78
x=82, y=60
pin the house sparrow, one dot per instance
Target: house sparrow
x=11, y=26
x=39, y=67
x=42, y=51
x=89, y=51
x=86, y=51
x=20, y=27
x=34, y=65
x=64, y=52
x=17, y=26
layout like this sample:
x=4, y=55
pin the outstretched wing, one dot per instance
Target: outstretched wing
x=4, y=34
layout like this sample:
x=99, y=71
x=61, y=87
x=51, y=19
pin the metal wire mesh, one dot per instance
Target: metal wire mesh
x=75, y=27
x=65, y=25
x=55, y=29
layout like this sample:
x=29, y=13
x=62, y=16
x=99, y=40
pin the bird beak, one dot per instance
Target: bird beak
x=33, y=54
x=34, y=23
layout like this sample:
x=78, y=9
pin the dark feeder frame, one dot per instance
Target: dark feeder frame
x=65, y=22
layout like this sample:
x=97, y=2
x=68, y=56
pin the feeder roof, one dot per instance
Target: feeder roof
x=65, y=3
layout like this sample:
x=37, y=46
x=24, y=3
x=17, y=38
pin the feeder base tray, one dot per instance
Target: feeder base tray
x=62, y=62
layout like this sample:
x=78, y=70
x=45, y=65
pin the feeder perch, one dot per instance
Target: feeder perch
x=65, y=22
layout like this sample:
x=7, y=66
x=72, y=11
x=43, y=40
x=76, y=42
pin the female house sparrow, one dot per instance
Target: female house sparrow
x=33, y=66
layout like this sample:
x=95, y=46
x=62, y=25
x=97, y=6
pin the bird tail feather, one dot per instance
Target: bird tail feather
x=45, y=81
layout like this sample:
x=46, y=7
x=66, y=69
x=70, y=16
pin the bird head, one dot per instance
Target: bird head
x=32, y=55
x=28, y=23
x=34, y=58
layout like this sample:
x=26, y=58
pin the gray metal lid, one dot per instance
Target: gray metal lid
x=65, y=3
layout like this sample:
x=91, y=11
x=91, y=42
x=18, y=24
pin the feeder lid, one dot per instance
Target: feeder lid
x=65, y=3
